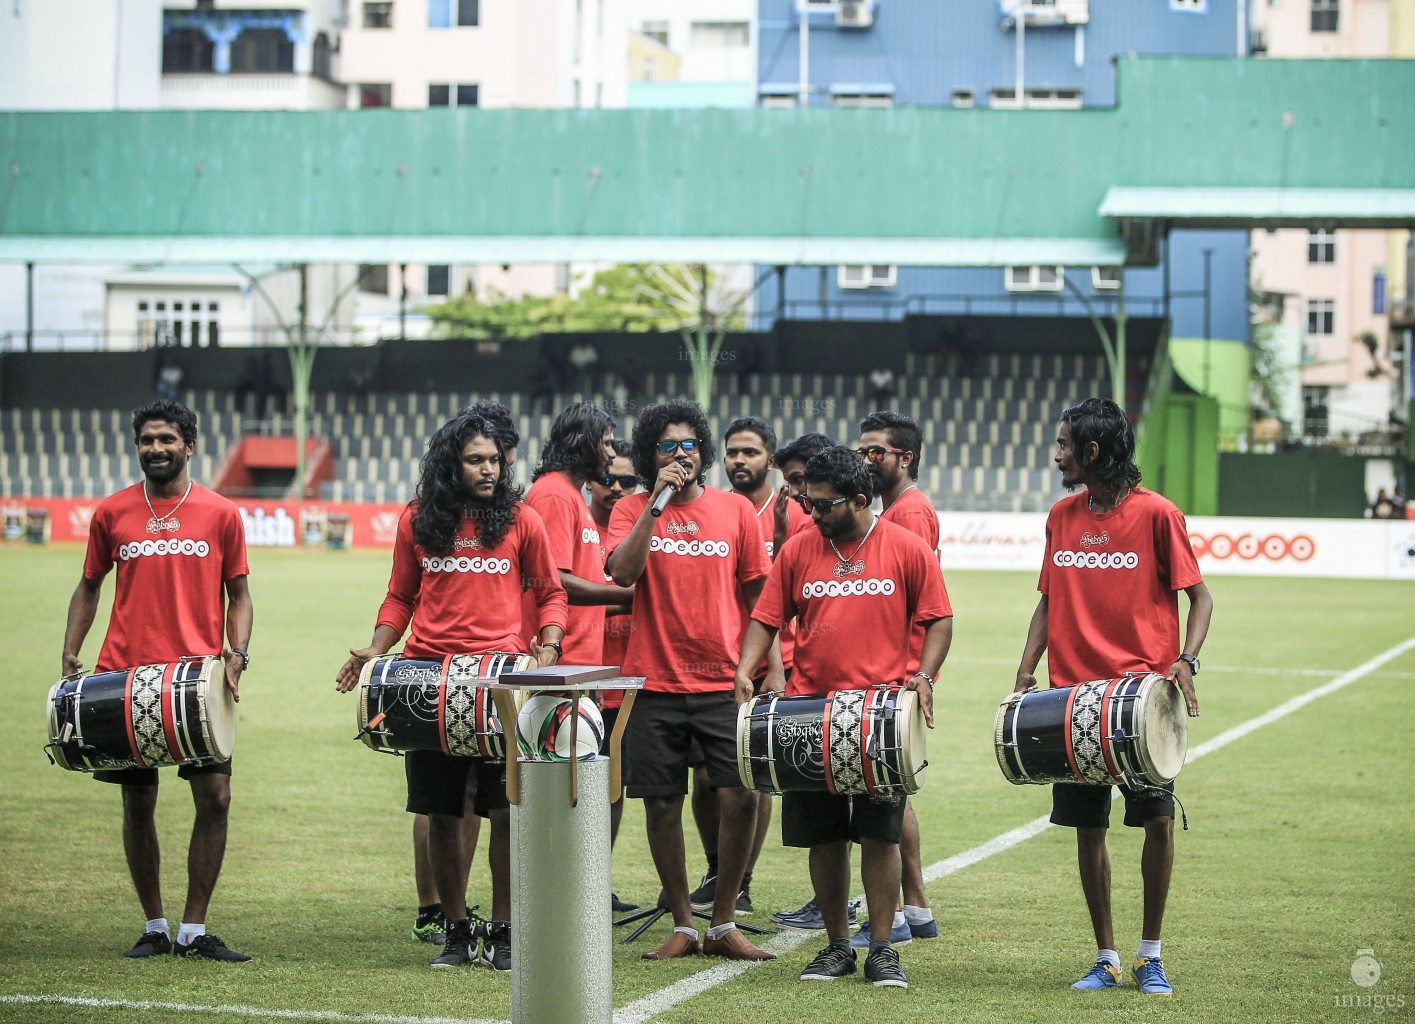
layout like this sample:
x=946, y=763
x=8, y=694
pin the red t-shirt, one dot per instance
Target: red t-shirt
x=469, y=602
x=689, y=613
x=796, y=521
x=617, y=629
x=1112, y=583
x=170, y=600
x=852, y=619
x=576, y=547
x=913, y=511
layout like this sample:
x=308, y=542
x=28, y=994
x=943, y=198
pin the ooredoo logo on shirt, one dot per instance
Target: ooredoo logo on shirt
x=494, y=566
x=589, y=536
x=1095, y=559
x=144, y=548
x=691, y=548
x=847, y=588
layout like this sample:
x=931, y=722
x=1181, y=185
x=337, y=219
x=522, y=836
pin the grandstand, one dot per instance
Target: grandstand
x=987, y=439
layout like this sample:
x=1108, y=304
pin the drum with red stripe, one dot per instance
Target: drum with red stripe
x=151, y=716
x=429, y=704
x=1132, y=729
x=849, y=742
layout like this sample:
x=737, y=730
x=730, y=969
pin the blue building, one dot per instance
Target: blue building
x=966, y=53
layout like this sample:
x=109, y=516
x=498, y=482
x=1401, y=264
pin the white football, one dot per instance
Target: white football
x=543, y=728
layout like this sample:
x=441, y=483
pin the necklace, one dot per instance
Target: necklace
x=764, y=505
x=159, y=524
x=902, y=493
x=1091, y=502
x=844, y=567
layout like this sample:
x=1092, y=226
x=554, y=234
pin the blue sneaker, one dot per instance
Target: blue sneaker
x=809, y=918
x=899, y=934
x=1103, y=975
x=927, y=930
x=1149, y=975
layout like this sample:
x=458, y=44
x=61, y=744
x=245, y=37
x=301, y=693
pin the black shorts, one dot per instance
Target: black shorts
x=150, y=776
x=657, y=739
x=437, y=784
x=810, y=819
x=1078, y=806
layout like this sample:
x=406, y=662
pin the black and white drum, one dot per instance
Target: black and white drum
x=151, y=716
x=1130, y=730
x=429, y=704
x=849, y=742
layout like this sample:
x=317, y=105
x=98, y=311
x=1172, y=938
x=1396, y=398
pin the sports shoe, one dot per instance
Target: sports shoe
x=703, y=897
x=1149, y=975
x=496, y=946
x=430, y=928
x=460, y=947
x=805, y=914
x=899, y=934
x=619, y=906
x=835, y=961
x=1103, y=975
x=210, y=947
x=927, y=930
x=151, y=944
x=882, y=968
x=744, y=903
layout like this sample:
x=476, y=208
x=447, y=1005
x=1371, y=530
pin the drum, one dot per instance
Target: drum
x=1131, y=730
x=145, y=717
x=427, y=704
x=849, y=742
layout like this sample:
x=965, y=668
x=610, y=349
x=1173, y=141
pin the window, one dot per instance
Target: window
x=1037, y=99
x=439, y=95
x=719, y=34
x=438, y=278
x=1321, y=246
x=1034, y=279
x=373, y=278
x=1106, y=278
x=656, y=30
x=322, y=64
x=1325, y=15
x=263, y=49
x=1321, y=316
x=441, y=12
x=777, y=96
x=174, y=321
x=378, y=15
x=861, y=96
x=1192, y=6
x=964, y=98
x=375, y=94
x=467, y=95
x=188, y=49
x=869, y=276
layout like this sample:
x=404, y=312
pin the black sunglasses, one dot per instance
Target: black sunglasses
x=626, y=481
x=688, y=444
x=821, y=505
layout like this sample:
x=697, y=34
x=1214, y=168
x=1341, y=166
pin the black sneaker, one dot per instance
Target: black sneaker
x=151, y=944
x=619, y=906
x=431, y=928
x=703, y=897
x=496, y=946
x=210, y=947
x=744, y=903
x=835, y=961
x=460, y=949
x=882, y=968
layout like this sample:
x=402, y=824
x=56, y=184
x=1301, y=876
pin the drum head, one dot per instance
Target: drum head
x=1164, y=725
x=220, y=710
x=916, y=744
x=744, y=743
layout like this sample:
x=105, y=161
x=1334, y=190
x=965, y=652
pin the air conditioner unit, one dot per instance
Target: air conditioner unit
x=855, y=14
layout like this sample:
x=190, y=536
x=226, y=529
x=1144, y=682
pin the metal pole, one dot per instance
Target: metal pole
x=803, y=80
x=29, y=307
x=562, y=970
x=1020, y=20
x=402, y=302
x=1208, y=262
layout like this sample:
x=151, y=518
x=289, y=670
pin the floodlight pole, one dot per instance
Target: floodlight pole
x=1114, y=349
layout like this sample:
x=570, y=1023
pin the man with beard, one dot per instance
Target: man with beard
x=891, y=446
x=463, y=546
x=1101, y=623
x=168, y=606
x=820, y=577
x=696, y=571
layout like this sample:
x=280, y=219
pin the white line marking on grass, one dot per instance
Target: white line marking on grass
x=243, y=1011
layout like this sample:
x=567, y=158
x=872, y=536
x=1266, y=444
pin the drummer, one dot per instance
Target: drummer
x=1099, y=622
x=168, y=606
x=463, y=546
x=856, y=585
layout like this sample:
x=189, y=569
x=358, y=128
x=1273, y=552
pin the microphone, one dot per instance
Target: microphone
x=661, y=502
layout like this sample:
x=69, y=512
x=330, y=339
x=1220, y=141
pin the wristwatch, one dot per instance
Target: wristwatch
x=559, y=651
x=245, y=658
x=1193, y=661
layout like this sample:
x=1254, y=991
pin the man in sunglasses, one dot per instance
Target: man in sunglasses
x=696, y=571
x=891, y=445
x=855, y=577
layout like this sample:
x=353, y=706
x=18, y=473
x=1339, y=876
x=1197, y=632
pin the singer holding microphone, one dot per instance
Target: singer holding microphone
x=695, y=558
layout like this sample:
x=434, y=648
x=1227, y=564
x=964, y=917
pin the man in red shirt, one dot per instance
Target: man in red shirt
x=463, y=546
x=1102, y=622
x=169, y=605
x=854, y=576
x=891, y=445
x=696, y=571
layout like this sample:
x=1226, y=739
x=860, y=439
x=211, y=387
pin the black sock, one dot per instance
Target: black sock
x=429, y=910
x=712, y=865
x=876, y=944
x=746, y=881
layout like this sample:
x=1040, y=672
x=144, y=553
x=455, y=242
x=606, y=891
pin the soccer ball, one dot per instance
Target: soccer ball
x=543, y=728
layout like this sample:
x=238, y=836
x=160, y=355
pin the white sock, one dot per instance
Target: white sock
x=159, y=924
x=898, y=919
x=188, y=932
x=1149, y=950
x=1110, y=956
x=717, y=931
x=692, y=933
x=918, y=915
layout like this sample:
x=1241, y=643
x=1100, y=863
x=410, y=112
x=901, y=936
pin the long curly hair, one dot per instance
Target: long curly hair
x=573, y=443
x=651, y=426
x=440, y=498
x=1102, y=421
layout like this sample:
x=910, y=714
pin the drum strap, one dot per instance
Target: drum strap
x=1141, y=787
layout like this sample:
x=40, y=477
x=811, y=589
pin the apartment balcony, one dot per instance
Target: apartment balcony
x=250, y=91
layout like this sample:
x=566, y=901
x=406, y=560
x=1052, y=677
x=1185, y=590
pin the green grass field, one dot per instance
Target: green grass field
x=1299, y=852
